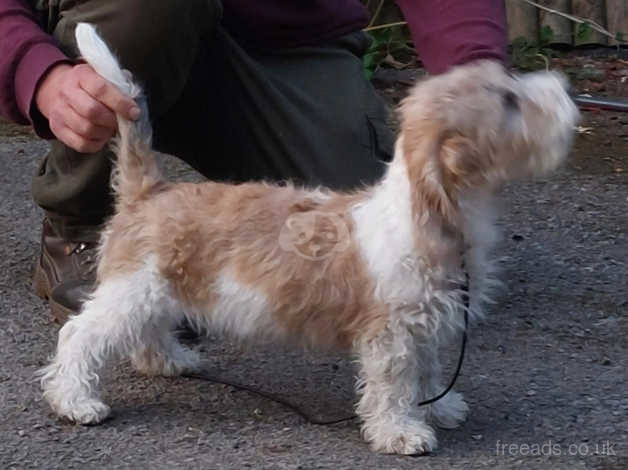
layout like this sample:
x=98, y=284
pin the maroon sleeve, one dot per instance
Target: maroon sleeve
x=26, y=54
x=453, y=32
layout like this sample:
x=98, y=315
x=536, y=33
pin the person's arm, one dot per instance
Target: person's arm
x=41, y=86
x=454, y=32
x=26, y=54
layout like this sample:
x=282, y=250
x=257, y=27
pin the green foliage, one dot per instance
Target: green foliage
x=583, y=31
x=533, y=55
x=387, y=43
x=546, y=36
x=391, y=43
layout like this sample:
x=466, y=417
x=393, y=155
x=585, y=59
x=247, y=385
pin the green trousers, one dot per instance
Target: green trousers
x=234, y=112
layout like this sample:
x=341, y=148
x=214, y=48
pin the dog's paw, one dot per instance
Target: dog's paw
x=72, y=397
x=408, y=438
x=85, y=411
x=449, y=412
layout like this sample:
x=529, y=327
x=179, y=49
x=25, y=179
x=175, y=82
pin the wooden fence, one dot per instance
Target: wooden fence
x=527, y=20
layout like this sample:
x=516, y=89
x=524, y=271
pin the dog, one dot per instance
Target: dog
x=376, y=272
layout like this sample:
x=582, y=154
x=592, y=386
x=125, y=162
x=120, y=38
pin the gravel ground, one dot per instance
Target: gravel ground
x=546, y=369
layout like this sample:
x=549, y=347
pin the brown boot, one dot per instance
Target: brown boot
x=65, y=272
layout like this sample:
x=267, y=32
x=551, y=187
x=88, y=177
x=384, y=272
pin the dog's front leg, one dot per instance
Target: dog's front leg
x=389, y=385
x=451, y=410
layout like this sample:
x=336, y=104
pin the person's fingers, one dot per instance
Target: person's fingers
x=92, y=110
x=103, y=91
x=68, y=136
x=86, y=128
x=80, y=106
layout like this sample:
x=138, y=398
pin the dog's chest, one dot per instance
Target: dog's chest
x=385, y=234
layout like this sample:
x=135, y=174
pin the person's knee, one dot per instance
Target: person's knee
x=140, y=22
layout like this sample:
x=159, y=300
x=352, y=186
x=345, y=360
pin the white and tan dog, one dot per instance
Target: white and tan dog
x=375, y=272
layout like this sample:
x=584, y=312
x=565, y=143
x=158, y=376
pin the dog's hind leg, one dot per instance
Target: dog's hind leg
x=390, y=392
x=113, y=322
x=161, y=353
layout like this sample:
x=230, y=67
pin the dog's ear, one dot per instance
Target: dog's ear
x=439, y=163
x=461, y=162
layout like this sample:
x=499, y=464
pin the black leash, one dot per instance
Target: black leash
x=463, y=346
x=322, y=422
x=268, y=396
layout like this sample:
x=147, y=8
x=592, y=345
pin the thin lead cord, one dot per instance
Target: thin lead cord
x=463, y=346
x=268, y=396
x=458, y=367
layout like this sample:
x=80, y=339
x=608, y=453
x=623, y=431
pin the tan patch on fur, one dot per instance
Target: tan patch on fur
x=329, y=301
x=198, y=231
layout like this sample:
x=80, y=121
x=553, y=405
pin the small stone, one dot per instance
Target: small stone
x=606, y=361
x=477, y=437
x=531, y=393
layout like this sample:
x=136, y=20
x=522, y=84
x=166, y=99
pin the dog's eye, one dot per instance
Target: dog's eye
x=511, y=101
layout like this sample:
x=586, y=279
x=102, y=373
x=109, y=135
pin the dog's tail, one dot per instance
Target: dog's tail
x=136, y=172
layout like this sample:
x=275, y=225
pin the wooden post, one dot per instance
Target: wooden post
x=523, y=20
x=591, y=10
x=561, y=27
x=617, y=18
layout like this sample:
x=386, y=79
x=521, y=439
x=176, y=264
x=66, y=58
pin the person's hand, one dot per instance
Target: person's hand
x=81, y=106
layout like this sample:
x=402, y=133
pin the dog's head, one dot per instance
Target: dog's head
x=477, y=126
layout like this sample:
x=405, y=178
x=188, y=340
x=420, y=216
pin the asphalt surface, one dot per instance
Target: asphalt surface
x=545, y=373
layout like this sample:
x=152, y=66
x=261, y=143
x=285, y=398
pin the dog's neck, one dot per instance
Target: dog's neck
x=393, y=228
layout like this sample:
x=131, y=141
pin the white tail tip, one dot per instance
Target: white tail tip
x=96, y=53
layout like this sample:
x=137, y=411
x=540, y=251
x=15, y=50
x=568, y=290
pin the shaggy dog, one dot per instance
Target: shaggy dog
x=375, y=272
